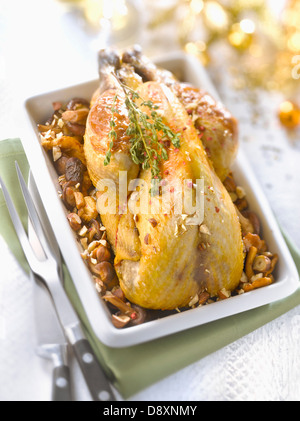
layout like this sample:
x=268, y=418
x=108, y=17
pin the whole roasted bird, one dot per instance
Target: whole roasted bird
x=163, y=261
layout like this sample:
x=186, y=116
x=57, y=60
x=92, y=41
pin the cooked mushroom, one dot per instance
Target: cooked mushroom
x=74, y=170
x=103, y=254
x=139, y=316
x=76, y=116
x=68, y=195
x=75, y=221
x=94, y=231
x=249, y=262
x=254, y=220
x=77, y=102
x=106, y=271
x=120, y=304
x=60, y=165
x=246, y=224
x=89, y=211
x=253, y=240
x=75, y=128
x=258, y=283
x=261, y=264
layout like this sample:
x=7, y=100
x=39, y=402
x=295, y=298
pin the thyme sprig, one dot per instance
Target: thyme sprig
x=147, y=133
x=112, y=134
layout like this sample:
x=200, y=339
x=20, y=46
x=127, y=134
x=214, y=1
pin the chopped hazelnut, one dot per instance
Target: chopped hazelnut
x=83, y=231
x=204, y=229
x=89, y=211
x=240, y=192
x=256, y=277
x=244, y=278
x=120, y=320
x=204, y=296
x=153, y=222
x=79, y=200
x=233, y=196
x=93, y=245
x=194, y=300
x=224, y=294
x=57, y=153
x=84, y=243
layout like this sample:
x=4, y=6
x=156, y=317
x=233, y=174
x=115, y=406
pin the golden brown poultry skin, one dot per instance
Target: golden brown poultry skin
x=161, y=262
x=120, y=228
x=174, y=268
x=217, y=128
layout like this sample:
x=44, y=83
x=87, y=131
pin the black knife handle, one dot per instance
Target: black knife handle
x=95, y=377
x=61, y=391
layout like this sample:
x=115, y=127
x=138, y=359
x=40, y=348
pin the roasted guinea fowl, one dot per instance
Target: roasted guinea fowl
x=162, y=262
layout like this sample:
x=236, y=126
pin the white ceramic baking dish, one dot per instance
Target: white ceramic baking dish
x=37, y=110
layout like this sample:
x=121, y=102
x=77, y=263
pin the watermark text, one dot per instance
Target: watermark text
x=139, y=197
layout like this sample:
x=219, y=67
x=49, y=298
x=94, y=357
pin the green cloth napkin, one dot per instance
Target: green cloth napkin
x=135, y=368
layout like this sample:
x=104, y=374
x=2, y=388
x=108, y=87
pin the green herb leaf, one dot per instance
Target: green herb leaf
x=146, y=149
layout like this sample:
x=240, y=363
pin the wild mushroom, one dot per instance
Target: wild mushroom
x=249, y=262
x=261, y=264
x=139, y=316
x=74, y=170
x=75, y=221
x=254, y=220
x=103, y=254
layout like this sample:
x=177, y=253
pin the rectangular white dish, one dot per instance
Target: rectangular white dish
x=37, y=110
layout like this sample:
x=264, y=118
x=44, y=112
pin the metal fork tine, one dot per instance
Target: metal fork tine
x=20, y=231
x=33, y=214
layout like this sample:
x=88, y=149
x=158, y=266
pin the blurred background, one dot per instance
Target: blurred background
x=249, y=44
x=250, y=48
x=251, y=51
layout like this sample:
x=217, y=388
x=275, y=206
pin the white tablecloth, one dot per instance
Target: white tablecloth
x=42, y=47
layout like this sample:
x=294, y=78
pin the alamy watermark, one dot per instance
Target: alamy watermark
x=176, y=197
x=296, y=68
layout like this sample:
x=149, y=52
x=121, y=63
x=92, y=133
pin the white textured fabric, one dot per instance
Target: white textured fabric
x=57, y=52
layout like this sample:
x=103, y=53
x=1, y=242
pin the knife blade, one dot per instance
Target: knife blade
x=96, y=380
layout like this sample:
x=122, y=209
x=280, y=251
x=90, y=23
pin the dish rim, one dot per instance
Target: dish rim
x=94, y=307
